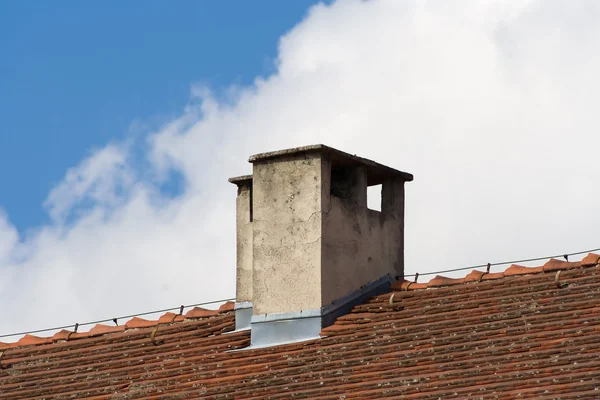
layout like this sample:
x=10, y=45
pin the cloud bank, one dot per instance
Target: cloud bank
x=491, y=105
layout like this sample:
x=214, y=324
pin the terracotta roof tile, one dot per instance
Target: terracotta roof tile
x=555, y=265
x=100, y=329
x=521, y=270
x=170, y=317
x=227, y=306
x=440, y=281
x=62, y=335
x=31, y=339
x=198, y=312
x=474, y=276
x=590, y=260
x=136, y=322
x=511, y=334
x=492, y=276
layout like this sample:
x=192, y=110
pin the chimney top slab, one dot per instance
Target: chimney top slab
x=241, y=180
x=376, y=172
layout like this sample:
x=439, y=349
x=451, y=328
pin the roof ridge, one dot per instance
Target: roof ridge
x=135, y=322
x=552, y=265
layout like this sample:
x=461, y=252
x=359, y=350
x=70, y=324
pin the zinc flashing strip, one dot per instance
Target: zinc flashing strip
x=270, y=330
x=239, y=305
x=254, y=347
x=291, y=327
x=286, y=316
x=243, y=315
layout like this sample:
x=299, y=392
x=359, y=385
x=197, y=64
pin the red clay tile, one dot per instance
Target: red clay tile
x=4, y=345
x=227, y=306
x=555, y=265
x=400, y=285
x=62, y=335
x=30, y=339
x=198, y=312
x=590, y=260
x=136, y=322
x=78, y=335
x=100, y=329
x=170, y=318
x=474, y=276
x=522, y=270
x=407, y=285
x=416, y=286
x=440, y=281
x=492, y=276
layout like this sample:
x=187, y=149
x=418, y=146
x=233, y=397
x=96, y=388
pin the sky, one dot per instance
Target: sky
x=121, y=124
x=77, y=76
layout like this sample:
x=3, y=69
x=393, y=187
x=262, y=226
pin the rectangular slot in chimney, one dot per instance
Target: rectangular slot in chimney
x=341, y=182
x=374, y=197
x=250, y=201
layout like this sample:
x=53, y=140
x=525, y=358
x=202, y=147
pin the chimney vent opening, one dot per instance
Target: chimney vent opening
x=374, y=197
x=342, y=182
x=250, y=216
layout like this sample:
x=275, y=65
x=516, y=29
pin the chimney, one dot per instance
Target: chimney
x=308, y=248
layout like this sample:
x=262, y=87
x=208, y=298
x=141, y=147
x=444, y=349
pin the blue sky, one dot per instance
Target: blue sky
x=77, y=75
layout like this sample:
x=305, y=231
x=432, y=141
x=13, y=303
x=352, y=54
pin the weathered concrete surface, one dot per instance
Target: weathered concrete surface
x=287, y=207
x=360, y=245
x=306, y=238
x=243, y=238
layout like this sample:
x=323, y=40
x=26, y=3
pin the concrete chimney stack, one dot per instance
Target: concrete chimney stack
x=308, y=248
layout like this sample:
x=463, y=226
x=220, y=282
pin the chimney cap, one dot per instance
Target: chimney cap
x=377, y=172
x=241, y=180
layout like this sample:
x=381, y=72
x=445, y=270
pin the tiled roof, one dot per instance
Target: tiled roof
x=523, y=333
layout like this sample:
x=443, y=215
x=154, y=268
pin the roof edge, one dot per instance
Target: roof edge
x=100, y=329
x=552, y=265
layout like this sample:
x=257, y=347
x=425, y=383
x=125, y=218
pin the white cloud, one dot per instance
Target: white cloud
x=492, y=106
x=100, y=178
x=10, y=239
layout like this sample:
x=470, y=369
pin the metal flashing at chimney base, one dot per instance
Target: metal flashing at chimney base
x=243, y=314
x=289, y=327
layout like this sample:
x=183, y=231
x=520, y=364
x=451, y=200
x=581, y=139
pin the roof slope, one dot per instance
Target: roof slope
x=518, y=334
